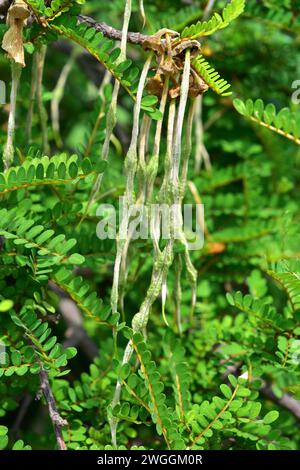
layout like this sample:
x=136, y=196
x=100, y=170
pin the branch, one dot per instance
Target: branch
x=76, y=334
x=57, y=421
x=108, y=31
x=112, y=33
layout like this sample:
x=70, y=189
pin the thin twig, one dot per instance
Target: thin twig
x=57, y=421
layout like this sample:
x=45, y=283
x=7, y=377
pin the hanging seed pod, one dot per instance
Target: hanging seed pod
x=13, y=39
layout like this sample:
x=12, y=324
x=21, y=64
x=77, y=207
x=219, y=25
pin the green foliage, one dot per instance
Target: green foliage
x=181, y=375
x=161, y=415
x=222, y=373
x=3, y=437
x=282, y=16
x=62, y=21
x=99, y=47
x=237, y=414
x=80, y=292
x=18, y=445
x=206, y=28
x=23, y=233
x=44, y=346
x=59, y=170
x=5, y=305
x=285, y=122
x=211, y=77
x=290, y=282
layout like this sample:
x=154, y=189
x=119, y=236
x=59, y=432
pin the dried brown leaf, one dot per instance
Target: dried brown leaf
x=12, y=41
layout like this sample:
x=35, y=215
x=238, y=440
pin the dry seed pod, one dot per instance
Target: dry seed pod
x=174, y=92
x=168, y=67
x=155, y=85
x=12, y=41
x=197, y=85
x=192, y=44
x=156, y=42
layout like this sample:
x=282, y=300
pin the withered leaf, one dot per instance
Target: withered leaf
x=12, y=41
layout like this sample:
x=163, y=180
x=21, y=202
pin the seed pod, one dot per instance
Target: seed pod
x=192, y=44
x=155, y=85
